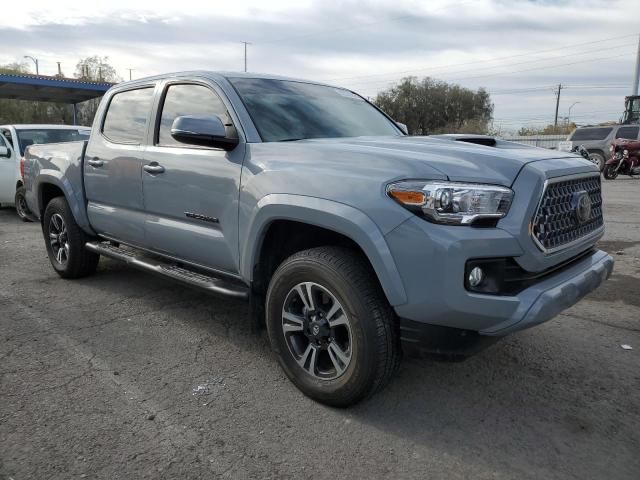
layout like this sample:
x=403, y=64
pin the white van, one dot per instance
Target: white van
x=13, y=141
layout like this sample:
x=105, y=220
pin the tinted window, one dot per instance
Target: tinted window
x=627, y=132
x=127, y=117
x=36, y=136
x=591, y=133
x=287, y=110
x=187, y=100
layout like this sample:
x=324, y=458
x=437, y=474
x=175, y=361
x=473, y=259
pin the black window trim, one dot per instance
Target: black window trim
x=155, y=139
x=152, y=86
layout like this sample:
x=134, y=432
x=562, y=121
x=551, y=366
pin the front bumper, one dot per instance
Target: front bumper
x=431, y=262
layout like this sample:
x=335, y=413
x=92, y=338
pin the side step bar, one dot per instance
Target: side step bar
x=139, y=259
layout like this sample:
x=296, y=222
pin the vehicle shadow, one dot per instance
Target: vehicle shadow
x=531, y=401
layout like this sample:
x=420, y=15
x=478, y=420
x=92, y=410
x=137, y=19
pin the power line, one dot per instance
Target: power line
x=542, y=67
x=494, y=59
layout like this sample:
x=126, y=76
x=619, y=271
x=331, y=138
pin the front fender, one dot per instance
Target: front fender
x=331, y=215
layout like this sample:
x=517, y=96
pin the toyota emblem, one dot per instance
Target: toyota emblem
x=582, y=206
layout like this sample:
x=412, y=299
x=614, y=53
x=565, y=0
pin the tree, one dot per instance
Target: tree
x=430, y=106
x=94, y=69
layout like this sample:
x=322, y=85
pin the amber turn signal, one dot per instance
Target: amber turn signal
x=408, y=197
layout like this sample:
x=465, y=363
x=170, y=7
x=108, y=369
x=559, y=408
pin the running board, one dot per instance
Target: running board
x=143, y=261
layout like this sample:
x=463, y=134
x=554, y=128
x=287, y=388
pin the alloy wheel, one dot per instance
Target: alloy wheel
x=58, y=238
x=317, y=331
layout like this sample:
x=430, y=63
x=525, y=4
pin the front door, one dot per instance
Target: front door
x=190, y=192
x=113, y=167
x=7, y=173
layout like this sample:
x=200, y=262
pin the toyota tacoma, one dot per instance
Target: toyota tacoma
x=353, y=241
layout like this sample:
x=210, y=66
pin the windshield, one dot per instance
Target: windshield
x=287, y=110
x=40, y=135
x=590, y=134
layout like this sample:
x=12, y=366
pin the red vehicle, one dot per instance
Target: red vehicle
x=625, y=159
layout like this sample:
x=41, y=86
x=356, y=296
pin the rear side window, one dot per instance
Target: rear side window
x=128, y=115
x=627, y=132
x=183, y=99
x=591, y=134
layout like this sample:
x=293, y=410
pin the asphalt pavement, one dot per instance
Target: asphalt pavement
x=124, y=375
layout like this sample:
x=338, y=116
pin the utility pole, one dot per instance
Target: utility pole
x=130, y=70
x=59, y=69
x=555, y=122
x=634, y=90
x=245, y=54
x=34, y=60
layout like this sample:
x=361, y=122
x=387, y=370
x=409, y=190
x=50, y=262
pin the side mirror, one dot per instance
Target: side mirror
x=5, y=152
x=208, y=131
x=403, y=127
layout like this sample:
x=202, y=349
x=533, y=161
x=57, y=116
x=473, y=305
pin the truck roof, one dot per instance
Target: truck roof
x=222, y=74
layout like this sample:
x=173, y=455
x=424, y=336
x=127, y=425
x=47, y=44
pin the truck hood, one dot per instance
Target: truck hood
x=453, y=156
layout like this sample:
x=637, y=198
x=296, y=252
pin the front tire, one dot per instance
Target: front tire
x=610, y=172
x=598, y=159
x=331, y=326
x=65, y=242
x=20, y=202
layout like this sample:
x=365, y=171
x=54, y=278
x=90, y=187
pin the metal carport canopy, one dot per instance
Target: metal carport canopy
x=50, y=89
x=43, y=88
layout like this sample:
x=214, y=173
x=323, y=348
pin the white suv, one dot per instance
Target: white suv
x=14, y=139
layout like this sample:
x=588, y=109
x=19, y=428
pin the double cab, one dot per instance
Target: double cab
x=353, y=241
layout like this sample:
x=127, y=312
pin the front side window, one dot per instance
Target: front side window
x=7, y=136
x=128, y=115
x=285, y=110
x=591, y=134
x=627, y=132
x=188, y=99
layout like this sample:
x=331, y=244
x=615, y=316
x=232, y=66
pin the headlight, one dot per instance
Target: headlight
x=451, y=202
x=611, y=148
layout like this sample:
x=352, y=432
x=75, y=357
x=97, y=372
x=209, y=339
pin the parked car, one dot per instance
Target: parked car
x=13, y=141
x=598, y=139
x=356, y=241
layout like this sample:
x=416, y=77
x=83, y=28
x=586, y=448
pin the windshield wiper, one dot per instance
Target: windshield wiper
x=291, y=139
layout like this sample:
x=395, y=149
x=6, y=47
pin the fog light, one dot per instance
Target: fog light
x=475, y=277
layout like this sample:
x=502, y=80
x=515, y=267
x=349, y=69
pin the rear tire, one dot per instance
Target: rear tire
x=610, y=172
x=21, y=205
x=355, y=351
x=65, y=242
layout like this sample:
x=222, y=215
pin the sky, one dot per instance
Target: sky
x=518, y=50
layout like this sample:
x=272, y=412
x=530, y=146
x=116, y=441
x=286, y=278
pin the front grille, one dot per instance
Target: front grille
x=555, y=223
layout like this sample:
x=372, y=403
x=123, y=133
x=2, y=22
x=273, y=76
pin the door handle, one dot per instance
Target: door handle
x=95, y=162
x=153, y=168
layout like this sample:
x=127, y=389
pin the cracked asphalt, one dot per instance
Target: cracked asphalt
x=124, y=375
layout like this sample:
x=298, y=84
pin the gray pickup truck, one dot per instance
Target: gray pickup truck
x=353, y=241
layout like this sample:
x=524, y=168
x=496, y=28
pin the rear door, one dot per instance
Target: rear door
x=113, y=166
x=192, y=204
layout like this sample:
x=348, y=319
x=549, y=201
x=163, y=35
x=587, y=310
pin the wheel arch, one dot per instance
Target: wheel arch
x=317, y=222
x=51, y=186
